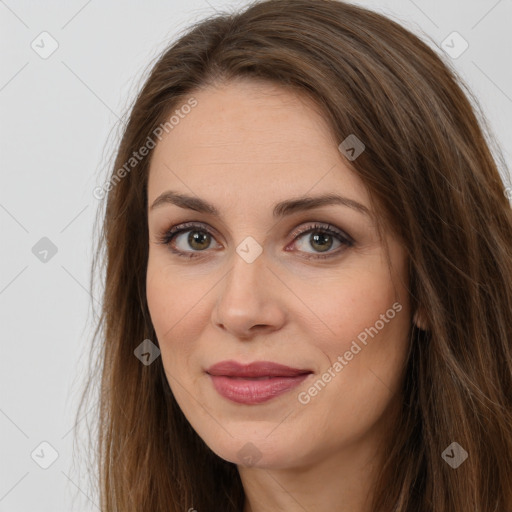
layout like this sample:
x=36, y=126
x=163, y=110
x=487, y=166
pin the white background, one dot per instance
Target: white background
x=59, y=121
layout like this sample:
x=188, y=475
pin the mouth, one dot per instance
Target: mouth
x=256, y=382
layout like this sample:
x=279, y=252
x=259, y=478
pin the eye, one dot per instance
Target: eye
x=321, y=238
x=199, y=238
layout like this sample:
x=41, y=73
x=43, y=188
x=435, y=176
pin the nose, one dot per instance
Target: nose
x=249, y=302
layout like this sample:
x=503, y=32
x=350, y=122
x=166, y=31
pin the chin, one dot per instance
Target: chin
x=256, y=449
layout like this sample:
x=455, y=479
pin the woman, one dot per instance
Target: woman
x=308, y=294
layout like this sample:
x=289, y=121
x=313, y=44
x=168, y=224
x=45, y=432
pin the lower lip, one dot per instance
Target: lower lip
x=252, y=391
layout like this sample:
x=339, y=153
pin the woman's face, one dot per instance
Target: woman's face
x=269, y=273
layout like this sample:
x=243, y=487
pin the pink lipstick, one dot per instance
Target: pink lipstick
x=256, y=382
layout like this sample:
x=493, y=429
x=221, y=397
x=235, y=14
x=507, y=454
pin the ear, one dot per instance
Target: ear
x=420, y=320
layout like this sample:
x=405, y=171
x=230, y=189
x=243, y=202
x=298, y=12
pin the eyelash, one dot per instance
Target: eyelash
x=168, y=236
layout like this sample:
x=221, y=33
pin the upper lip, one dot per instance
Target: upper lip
x=255, y=369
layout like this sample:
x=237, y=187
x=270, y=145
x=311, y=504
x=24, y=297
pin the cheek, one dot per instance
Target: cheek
x=354, y=305
x=363, y=335
x=164, y=308
x=178, y=309
x=170, y=297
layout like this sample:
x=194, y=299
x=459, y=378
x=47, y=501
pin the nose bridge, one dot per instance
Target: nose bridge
x=241, y=286
x=246, y=299
x=249, y=264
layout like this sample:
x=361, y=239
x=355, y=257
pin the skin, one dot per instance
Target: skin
x=244, y=147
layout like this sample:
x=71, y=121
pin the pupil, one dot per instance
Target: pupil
x=322, y=240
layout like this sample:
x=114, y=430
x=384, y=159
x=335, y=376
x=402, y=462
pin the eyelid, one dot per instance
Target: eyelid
x=167, y=234
x=320, y=226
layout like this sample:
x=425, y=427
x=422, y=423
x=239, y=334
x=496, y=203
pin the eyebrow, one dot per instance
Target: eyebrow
x=280, y=210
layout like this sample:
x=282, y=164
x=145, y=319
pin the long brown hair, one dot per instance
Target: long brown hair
x=431, y=172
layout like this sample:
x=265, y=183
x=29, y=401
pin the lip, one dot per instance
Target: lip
x=256, y=382
x=255, y=369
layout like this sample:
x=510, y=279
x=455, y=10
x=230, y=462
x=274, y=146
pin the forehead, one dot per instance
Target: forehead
x=251, y=140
